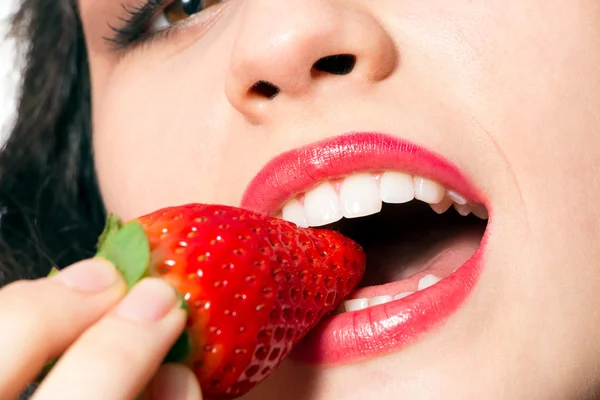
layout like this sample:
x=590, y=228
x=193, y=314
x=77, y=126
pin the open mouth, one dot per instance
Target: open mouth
x=414, y=231
x=422, y=237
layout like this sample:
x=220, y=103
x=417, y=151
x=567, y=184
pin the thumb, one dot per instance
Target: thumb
x=174, y=382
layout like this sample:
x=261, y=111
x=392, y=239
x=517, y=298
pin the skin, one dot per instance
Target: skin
x=508, y=91
x=111, y=345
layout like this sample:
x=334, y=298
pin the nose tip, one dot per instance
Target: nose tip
x=284, y=59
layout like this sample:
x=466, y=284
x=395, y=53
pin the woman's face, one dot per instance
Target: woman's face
x=508, y=92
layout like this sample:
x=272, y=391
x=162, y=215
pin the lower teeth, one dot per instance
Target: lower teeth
x=427, y=281
x=401, y=295
x=362, y=303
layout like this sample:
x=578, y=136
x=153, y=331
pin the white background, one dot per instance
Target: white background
x=8, y=75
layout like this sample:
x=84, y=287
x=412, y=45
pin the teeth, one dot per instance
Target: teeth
x=362, y=194
x=457, y=198
x=396, y=187
x=428, y=191
x=379, y=300
x=480, y=212
x=427, y=281
x=322, y=205
x=356, y=304
x=362, y=303
x=463, y=210
x=359, y=196
x=401, y=295
x=294, y=212
x=442, y=206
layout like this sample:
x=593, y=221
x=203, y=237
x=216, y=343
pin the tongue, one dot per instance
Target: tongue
x=407, y=270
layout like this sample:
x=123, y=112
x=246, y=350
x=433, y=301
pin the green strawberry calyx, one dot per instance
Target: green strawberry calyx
x=127, y=247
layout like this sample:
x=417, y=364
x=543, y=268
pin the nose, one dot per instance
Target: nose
x=285, y=48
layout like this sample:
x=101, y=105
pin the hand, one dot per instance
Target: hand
x=110, y=345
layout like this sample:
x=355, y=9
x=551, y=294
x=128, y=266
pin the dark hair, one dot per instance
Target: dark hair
x=50, y=207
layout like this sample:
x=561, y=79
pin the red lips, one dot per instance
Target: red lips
x=380, y=329
x=298, y=170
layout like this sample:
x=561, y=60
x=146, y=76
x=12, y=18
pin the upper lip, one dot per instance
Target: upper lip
x=300, y=169
x=348, y=337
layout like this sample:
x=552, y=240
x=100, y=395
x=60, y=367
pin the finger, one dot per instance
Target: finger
x=174, y=382
x=41, y=319
x=117, y=357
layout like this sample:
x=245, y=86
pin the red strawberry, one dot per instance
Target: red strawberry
x=254, y=285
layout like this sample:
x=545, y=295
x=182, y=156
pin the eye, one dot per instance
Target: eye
x=178, y=11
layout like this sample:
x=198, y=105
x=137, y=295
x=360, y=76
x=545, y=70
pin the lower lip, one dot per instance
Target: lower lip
x=354, y=336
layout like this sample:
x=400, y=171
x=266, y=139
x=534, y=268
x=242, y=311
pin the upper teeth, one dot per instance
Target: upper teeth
x=362, y=194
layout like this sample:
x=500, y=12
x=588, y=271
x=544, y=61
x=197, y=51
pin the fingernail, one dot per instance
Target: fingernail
x=149, y=300
x=88, y=276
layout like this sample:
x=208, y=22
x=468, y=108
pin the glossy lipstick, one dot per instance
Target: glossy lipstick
x=298, y=170
x=377, y=330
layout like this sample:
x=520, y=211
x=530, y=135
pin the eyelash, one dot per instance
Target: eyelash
x=137, y=21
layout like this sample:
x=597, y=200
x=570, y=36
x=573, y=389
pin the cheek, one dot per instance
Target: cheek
x=159, y=139
x=538, y=99
x=525, y=71
x=528, y=75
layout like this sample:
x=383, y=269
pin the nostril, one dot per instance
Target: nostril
x=338, y=64
x=264, y=89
